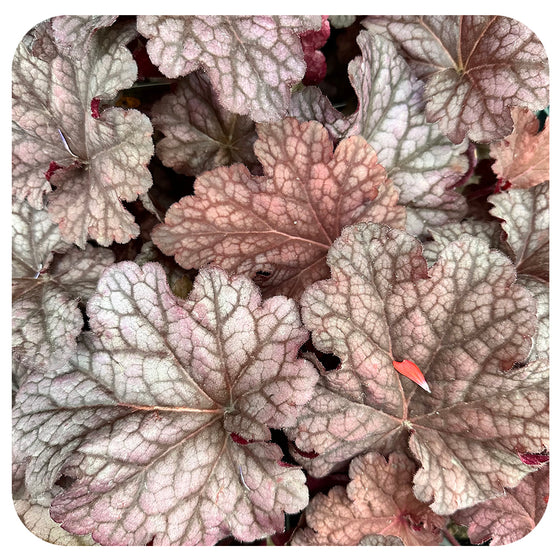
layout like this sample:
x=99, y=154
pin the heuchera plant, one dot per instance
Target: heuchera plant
x=280, y=280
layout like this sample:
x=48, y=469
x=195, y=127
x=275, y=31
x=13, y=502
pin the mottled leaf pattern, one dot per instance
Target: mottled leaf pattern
x=251, y=60
x=464, y=323
x=475, y=68
x=199, y=134
x=95, y=163
x=419, y=159
x=510, y=517
x=149, y=404
x=404, y=206
x=279, y=226
x=45, y=294
x=423, y=164
x=378, y=500
x=74, y=33
x=522, y=158
x=525, y=220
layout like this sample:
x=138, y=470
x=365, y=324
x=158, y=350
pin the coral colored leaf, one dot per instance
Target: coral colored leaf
x=510, y=517
x=522, y=158
x=278, y=227
x=251, y=61
x=377, y=501
x=423, y=164
x=45, y=293
x=464, y=323
x=475, y=68
x=199, y=134
x=98, y=162
x=149, y=403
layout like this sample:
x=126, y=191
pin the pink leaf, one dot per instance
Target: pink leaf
x=421, y=161
x=102, y=159
x=377, y=501
x=279, y=226
x=199, y=134
x=251, y=61
x=510, y=517
x=522, y=158
x=45, y=294
x=149, y=404
x=475, y=68
x=525, y=220
x=462, y=322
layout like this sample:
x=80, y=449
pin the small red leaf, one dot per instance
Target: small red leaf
x=412, y=371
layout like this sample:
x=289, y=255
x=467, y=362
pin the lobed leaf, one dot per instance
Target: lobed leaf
x=251, y=61
x=464, y=323
x=45, y=316
x=95, y=163
x=510, y=517
x=279, y=226
x=475, y=67
x=377, y=501
x=525, y=220
x=422, y=163
x=155, y=404
x=522, y=158
x=199, y=134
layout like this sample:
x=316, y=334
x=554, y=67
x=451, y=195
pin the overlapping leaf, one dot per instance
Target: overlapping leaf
x=525, y=220
x=523, y=235
x=377, y=501
x=279, y=226
x=252, y=61
x=464, y=323
x=95, y=163
x=510, y=517
x=423, y=164
x=149, y=406
x=522, y=158
x=475, y=68
x=199, y=134
x=45, y=316
x=315, y=61
x=73, y=33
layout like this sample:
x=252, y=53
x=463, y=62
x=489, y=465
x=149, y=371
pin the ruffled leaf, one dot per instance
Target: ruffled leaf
x=377, y=501
x=73, y=33
x=151, y=404
x=510, y=517
x=464, y=323
x=251, y=61
x=525, y=220
x=45, y=316
x=522, y=158
x=199, y=134
x=423, y=164
x=312, y=41
x=278, y=227
x=95, y=163
x=475, y=68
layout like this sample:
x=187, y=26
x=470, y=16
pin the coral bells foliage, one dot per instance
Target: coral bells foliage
x=287, y=283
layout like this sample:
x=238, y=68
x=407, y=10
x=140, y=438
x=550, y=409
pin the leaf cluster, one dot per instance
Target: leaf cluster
x=280, y=279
